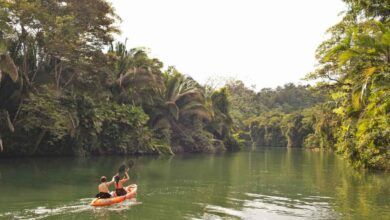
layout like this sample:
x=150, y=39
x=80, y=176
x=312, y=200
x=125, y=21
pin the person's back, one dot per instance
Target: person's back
x=103, y=188
x=119, y=190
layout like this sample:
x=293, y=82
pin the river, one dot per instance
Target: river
x=269, y=183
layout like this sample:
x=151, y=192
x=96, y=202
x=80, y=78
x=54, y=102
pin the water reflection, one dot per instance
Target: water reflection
x=265, y=184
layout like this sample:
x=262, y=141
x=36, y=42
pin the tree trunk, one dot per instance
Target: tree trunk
x=1, y=144
x=39, y=140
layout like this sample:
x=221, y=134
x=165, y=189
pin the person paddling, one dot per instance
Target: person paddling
x=119, y=190
x=104, y=193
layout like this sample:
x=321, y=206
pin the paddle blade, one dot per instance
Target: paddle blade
x=131, y=164
x=122, y=169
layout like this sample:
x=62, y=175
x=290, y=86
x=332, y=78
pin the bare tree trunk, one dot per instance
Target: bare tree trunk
x=17, y=111
x=57, y=73
x=69, y=81
x=9, y=122
x=25, y=56
x=1, y=144
x=39, y=140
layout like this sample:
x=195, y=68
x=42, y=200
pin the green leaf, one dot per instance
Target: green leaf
x=386, y=39
x=346, y=56
x=370, y=71
x=339, y=111
x=356, y=101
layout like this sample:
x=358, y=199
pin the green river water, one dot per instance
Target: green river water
x=264, y=184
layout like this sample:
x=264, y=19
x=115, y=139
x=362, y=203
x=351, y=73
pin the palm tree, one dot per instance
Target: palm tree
x=181, y=98
x=138, y=78
x=170, y=99
x=221, y=122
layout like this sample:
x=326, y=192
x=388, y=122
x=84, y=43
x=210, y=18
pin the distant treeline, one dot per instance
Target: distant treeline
x=348, y=110
x=281, y=117
x=66, y=88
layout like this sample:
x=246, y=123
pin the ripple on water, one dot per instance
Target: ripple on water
x=258, y=206
x=83, y=205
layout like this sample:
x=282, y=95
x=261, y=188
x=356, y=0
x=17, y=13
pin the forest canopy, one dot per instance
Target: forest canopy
x=67, y=88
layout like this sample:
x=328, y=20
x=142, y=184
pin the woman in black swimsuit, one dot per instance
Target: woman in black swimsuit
x=119, y=190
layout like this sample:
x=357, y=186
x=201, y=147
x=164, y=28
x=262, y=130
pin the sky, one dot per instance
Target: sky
x=264, y=43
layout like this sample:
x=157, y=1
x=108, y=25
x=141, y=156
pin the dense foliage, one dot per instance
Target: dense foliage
x=353, y=77
x=67, y=89
x=73, y=97
x=279, y=117
x=355, y=64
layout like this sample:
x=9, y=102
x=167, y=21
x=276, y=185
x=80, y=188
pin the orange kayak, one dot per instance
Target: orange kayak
x=131, y=193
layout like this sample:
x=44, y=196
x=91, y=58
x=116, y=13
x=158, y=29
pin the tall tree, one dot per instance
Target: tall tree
x=7, y=68
x=57, y=46
x=355, y=64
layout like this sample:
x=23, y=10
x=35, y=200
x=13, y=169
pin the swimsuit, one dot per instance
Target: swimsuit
x=103, y=195
x=120, y=192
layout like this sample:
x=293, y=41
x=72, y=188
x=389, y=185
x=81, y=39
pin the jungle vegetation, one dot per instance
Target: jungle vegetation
x=348, y=110
x=67, y=88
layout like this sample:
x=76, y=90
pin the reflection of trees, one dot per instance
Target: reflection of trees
x=356, y=194
x=366, y=192
x=186, y=184
x=308, y=177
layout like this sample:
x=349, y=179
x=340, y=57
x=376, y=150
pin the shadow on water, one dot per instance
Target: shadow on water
x=267, y=183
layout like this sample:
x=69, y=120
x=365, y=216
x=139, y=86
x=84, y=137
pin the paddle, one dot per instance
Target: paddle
x=123, y=167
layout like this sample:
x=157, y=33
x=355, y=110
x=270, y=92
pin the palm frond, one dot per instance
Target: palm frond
x=173, y=109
